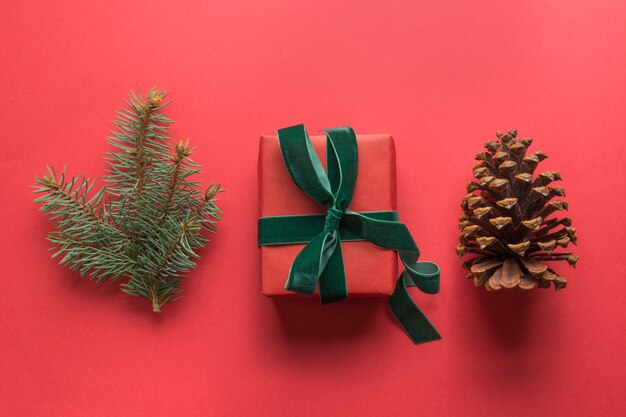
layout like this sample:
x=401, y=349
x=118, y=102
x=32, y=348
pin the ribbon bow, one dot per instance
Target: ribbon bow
x=321, y=260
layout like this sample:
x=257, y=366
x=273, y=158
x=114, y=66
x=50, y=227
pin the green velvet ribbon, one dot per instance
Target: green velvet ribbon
x=321, y=260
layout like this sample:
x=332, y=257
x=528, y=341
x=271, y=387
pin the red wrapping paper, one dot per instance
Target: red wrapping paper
x=370, y=270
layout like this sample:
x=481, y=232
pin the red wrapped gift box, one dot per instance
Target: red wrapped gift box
x=370, y=270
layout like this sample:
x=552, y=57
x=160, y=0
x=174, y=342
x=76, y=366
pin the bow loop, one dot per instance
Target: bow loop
x=304, y=166
x=342, y=164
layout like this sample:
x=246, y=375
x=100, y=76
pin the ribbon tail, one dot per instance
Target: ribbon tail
x=412, y=319
x=424, y=275
x=310, y=263
x=333, y=285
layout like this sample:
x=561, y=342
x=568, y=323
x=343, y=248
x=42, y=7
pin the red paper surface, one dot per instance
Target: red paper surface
x=442, y=77
x=370, y=270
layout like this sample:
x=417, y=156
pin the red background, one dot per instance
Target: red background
x=442, y=77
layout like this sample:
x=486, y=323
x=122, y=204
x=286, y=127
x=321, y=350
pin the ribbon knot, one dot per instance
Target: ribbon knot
x=321, y=260
x=332, y=219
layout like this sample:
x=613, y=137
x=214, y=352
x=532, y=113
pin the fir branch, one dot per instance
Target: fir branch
x=157, y=277
x=175, y=181
x=100, y=262
x=159, y=297
x=207, y=210
x=141, y=139
x=67, y=201
x=154, y=215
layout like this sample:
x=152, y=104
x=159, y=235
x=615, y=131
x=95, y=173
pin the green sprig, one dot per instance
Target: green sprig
x=148, y=222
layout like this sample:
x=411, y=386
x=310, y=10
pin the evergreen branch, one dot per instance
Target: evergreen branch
x=158, y=299
x=98, y=261
x=207, y=210
x=181, y=152
x=148, y=222
x=69, y=203
x=140, y=138
x=157, y=277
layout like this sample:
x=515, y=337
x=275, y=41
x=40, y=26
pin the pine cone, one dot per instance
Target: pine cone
x=510, y=220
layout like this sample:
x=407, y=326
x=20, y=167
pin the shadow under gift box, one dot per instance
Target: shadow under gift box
x=370, y=270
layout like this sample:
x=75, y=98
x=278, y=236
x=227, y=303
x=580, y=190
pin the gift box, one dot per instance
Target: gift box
x=370, y=270
x=332, y=228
